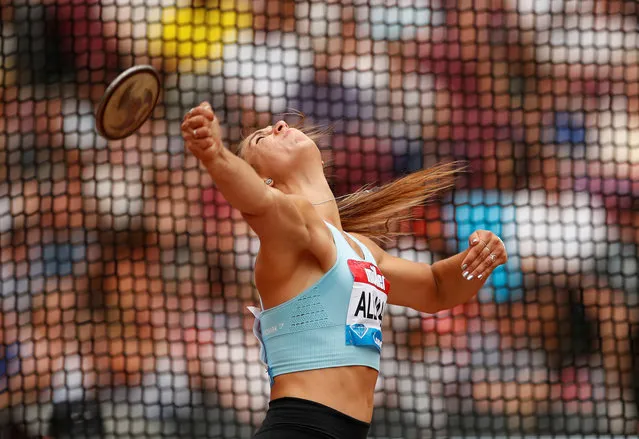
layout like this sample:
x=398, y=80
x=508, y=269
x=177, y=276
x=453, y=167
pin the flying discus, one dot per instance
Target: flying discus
x=128, y=102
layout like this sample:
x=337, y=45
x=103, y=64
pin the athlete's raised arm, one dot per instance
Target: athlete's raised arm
x=236, y=179
x=274, y=216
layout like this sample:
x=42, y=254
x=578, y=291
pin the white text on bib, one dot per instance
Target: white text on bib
x=367, y=305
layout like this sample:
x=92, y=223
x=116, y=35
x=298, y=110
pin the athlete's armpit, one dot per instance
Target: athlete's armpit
x=283, y=225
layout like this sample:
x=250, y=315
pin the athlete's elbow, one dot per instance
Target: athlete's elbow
x=445, y=300
x=429, y=302
x=437, y=301
x=432, y=306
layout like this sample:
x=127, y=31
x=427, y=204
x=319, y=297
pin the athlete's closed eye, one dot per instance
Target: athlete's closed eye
x=258, y=139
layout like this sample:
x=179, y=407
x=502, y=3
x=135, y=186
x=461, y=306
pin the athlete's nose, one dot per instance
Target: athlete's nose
x=280, y=128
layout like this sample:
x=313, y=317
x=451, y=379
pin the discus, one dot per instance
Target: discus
x=128, y=102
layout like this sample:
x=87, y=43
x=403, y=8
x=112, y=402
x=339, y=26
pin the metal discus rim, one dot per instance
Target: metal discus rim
x=114, y=87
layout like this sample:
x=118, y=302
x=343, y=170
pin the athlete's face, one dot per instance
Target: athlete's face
x=278, y=150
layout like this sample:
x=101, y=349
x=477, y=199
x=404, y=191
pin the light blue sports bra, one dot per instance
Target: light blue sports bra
x=336, y=322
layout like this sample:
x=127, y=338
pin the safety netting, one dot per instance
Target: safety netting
x=125, y=275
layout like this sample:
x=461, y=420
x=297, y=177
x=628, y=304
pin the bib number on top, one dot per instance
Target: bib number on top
x=367, y=305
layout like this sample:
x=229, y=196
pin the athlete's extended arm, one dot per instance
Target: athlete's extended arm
x=441, y=286
x=236, y=179
x=268, y=211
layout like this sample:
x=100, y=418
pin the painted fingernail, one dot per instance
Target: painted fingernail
x=464, y=266
x=470, y=277
x=480, y=276
x=464, y=274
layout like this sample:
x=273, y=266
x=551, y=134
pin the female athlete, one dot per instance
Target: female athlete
x=323, y=290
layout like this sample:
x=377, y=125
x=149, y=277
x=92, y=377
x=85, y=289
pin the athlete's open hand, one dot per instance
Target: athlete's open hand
x=201, y=132
x=487, y=252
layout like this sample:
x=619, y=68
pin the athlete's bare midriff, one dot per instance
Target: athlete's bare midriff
x=349, y=390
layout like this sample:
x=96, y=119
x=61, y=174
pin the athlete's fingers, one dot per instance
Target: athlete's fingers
x=207, y=112
x=476, y=245
x=489, y=251
x=493, y=254
x=195, y=122
x=469, y=273
x=201, y=133
x=203, y=111
x=198, y=146
x=496, y=258
x=486, y=273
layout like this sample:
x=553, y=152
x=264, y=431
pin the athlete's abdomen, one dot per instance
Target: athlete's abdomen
x=349, y=389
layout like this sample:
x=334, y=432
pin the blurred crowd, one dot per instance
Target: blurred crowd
x=125, y=276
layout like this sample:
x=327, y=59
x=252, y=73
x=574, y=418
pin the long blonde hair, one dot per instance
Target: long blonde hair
x=376, y=212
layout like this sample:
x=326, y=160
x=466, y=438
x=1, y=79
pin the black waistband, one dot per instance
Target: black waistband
x=318, y=421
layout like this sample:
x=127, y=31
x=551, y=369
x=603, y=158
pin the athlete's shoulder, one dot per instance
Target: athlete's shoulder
x=377, y=252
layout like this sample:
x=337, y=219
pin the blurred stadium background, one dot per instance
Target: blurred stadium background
x=125, y=276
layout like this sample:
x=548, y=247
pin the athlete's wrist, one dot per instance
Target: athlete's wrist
x=219, y=156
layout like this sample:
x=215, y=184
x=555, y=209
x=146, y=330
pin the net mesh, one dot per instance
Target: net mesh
x=125, y=276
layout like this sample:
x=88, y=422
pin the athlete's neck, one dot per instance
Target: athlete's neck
x=319, y=193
